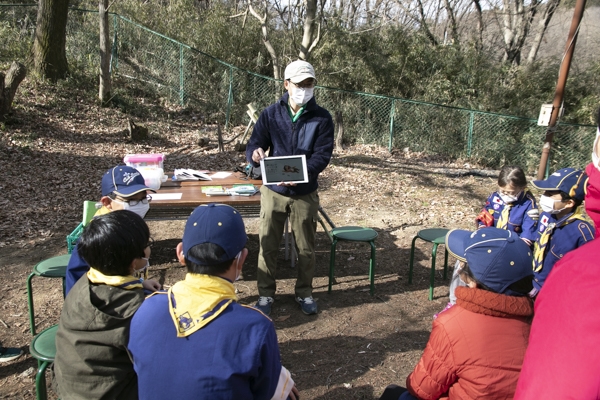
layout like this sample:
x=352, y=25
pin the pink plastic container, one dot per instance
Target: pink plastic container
x=144, y=160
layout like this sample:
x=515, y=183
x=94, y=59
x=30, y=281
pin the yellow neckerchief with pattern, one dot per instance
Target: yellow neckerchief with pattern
x=197, y=300
x=503, y=220
x=540, y=248
x=124, y=282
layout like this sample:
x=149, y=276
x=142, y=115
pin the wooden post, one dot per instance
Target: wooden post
x=560, y=86
x=9, y=85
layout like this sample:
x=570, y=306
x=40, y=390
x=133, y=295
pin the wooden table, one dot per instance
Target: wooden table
x=192, y=196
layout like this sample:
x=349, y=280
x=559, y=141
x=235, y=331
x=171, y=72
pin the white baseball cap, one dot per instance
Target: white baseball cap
x=299, y=70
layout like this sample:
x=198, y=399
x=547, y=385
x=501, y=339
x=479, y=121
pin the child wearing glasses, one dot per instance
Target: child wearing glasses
x=92, y=360
x=123, y=188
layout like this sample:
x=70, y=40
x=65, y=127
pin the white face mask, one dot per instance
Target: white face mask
x=301, y=96
x=237, y=260
x=145, y=266
x=140, y=208
x=547, y=205
x=507, y=198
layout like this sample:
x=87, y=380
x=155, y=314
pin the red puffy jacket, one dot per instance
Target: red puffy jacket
x=476, y=348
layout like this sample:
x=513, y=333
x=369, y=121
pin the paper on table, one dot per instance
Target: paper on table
x=220, y=175
x=165, y=196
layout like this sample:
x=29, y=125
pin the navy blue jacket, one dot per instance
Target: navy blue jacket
x=311, y=134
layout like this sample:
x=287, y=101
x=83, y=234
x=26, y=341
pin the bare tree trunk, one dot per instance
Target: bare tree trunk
x=517, y=21
x=105, y=84
x=551, y=7
x=49, y=55
x=452, y=20
x=265, y=38
x=425, y=25
x=308, y=44
x=479, y=12
x=9, y=85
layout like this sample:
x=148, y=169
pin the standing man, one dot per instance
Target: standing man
x=294, y=125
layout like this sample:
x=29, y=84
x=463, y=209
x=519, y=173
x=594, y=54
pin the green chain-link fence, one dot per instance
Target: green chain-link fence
x=194, y=79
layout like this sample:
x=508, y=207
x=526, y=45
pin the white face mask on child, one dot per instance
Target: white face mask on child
x=507, y=198
x=140, y=208
x=547, y=205
x=145, y=266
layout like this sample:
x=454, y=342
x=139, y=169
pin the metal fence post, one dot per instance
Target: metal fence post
x=392, y=114
x=113, y=51
x=470, y=136
x=181, y=78
x=229, y=98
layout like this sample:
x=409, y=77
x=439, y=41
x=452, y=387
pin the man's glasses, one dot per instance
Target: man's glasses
x=150, y=242
x=304, y=84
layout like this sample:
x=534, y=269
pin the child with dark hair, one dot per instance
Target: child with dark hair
x=512, y=206
x=561, y=228
x=92, y=361
x=476, y=348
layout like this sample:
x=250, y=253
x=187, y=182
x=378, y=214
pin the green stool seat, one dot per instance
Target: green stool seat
x=43, y=349
x=54, y=267
x=353, y=234
x=436, y=236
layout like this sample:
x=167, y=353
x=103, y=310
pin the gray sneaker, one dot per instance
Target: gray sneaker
x=264, y=304
x=307, y=304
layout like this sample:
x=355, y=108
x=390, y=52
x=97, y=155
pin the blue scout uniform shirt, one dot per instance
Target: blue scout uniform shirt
x=76, y=268
x=235, y=356
x=518, y=220
x=563, y=239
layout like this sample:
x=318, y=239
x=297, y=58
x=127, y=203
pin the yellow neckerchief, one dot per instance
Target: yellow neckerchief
x=124, y=282
x=503, y=220
x=197, y=300
x=103, y=210
x=540, y=248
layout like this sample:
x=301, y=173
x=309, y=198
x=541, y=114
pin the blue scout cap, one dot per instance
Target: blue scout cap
x=569, y=180
x=218, y=224
x=497, y=257
x=124, y=181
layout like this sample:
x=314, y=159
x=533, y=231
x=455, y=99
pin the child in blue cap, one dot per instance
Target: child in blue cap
x=123, y=188
x=561, y=226
x=196, y=341
x=476, y=348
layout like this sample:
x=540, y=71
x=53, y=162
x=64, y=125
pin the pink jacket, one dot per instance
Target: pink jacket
x=563, y=358
x=476, y=348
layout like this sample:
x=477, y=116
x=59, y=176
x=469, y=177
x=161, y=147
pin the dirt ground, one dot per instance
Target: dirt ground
x=57, y=144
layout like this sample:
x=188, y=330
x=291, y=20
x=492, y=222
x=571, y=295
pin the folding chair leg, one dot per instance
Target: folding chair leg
x=432, y=276
x=40, y=381
x=372, y=267
x=412, y=258
x=445, y=263
x=331, y=264
x=30, y=305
